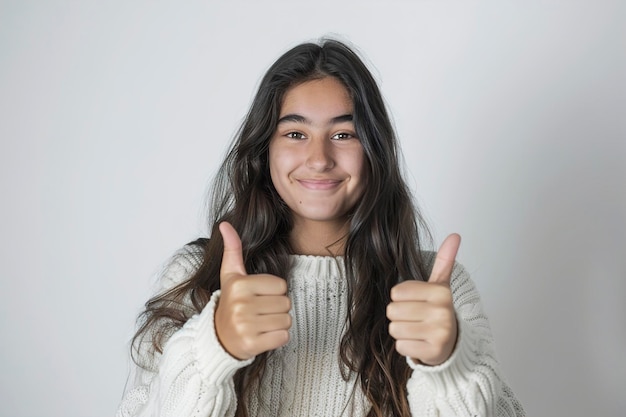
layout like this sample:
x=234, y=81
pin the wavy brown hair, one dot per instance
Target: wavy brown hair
x=383, y=242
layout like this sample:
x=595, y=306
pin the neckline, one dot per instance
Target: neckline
x=315, y=257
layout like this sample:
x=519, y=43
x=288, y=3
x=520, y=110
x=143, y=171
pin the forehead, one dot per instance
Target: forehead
x=321, y=97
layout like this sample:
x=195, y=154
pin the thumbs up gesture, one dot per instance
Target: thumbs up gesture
x=252, y=314
x=421, y=314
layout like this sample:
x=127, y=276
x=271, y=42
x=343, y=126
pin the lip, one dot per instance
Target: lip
x=321, y=184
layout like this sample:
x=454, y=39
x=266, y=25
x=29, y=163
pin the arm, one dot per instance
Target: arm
x=470, y=382
x=194, y=375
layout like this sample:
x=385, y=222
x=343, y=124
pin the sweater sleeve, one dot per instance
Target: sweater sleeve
x=194, y=374
x=470, y=382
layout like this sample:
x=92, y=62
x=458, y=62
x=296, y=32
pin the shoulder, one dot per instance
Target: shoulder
x=182, y=265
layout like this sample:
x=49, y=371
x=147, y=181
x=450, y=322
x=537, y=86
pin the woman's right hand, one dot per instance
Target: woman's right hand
x=252, y=314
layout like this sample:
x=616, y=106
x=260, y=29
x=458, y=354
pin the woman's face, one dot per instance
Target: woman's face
x=316, y=160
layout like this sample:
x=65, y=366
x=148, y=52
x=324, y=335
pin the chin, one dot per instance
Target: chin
x=323, y=216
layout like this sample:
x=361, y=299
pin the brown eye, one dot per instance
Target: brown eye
x=342, y=136
x=295, y=135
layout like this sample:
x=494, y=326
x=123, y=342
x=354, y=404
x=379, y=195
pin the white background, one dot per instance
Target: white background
x=114, y=115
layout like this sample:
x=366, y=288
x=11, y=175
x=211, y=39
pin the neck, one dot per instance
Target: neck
x=319, y=238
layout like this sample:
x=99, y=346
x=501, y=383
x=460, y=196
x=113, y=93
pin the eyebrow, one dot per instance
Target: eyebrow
x=301, y=119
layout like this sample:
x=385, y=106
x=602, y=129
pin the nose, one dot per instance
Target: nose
x=319, y=154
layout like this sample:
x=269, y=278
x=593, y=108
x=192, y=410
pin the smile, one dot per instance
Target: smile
x=319, y=184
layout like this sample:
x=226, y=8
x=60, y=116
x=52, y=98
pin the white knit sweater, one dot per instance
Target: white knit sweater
x=194, y=375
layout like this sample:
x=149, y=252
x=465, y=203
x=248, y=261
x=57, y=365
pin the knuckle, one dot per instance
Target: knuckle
x=441, y=336
x=391, y=311
x=247, y=345
x=284, y=337
x=393, y=330
x=240, y=328
x=394, y=292
x=445, y=316
x=403, y=348
x=439, y=314
x=238, y=310
x=437, y=352
x=441, y=293
x=287, y=303
x=237, y=285
x=282, y=285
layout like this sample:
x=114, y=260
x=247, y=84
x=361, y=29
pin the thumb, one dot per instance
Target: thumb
x=444, y=262
x=232, y=259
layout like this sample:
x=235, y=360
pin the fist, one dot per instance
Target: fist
x=252, y=314
x=422, y=317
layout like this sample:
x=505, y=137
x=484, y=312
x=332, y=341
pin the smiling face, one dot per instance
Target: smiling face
x=316, y=160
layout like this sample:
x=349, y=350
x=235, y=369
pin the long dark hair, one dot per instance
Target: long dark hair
x=383, y=243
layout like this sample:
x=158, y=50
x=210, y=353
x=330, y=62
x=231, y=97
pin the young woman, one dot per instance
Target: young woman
x=312, y=297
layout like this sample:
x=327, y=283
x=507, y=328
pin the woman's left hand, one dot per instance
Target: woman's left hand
x=423, y=320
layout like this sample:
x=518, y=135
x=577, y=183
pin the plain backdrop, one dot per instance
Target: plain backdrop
x=115, y=114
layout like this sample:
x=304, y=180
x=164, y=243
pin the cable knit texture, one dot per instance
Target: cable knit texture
x=194, y=376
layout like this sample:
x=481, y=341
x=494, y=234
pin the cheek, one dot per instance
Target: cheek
x=357, y=164
x=284, y=158
x=363, y=169
x=273, y=168
x=279, y=165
